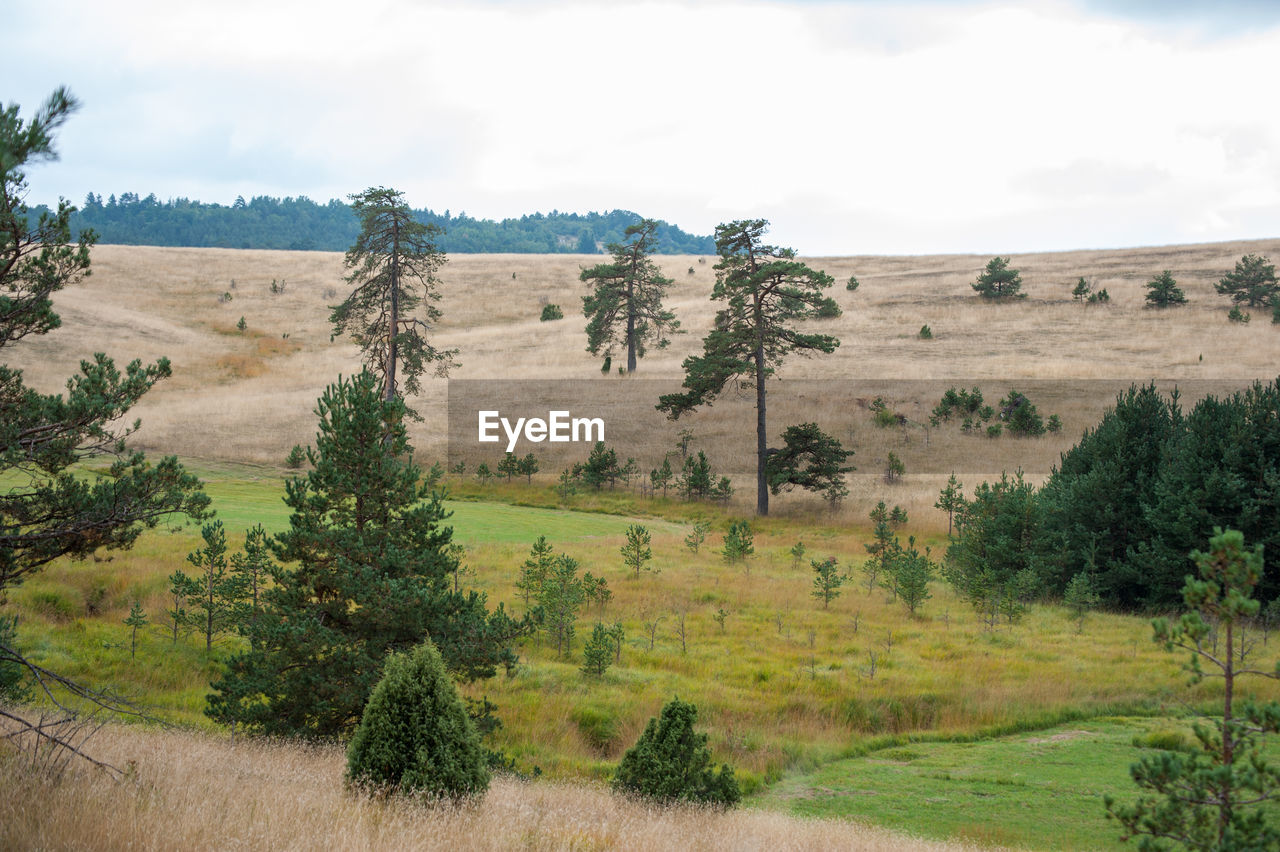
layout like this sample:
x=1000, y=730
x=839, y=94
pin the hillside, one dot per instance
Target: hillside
x=247, y=396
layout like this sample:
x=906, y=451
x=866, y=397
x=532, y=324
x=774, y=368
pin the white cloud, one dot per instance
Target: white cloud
x=854, y=127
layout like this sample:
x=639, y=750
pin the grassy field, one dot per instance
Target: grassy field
x=814, y=705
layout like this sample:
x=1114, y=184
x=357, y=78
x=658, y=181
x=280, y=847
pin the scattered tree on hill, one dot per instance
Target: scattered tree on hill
x=797, y=553
x=1020, y=416
x=527, y=467
x=393, y=266
x=1252, y=283
x=1163, y=291
x=1081, y=291
x=661, y=477
x=46, y=511
x=671, y=763
x=998, y=281
x=534, y=571
x=827, y=579
x=561, y=597
x=414, y=735
x=366, y=572
x=509, y=466
x=602, y=468
x=625, y=307
x=766, y=291
x=1210, y=798
x=213, y=596
x=637, y=553
x=809, y=459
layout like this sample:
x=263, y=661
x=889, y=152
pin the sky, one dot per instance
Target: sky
x=861, y=127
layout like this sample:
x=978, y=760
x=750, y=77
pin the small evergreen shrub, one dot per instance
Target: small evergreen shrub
x=671, y=763
x=242, y=325
x=551, y=312
x=926, y=333
x=853, y=283
x=415, y=736
x=296, y=457
x=994, y=430
x=1237, y=315
x=828, y=309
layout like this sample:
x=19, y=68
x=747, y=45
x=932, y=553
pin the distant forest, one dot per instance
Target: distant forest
x=302, y=224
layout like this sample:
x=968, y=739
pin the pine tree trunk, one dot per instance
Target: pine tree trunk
x=395, y=311
x=762, y=485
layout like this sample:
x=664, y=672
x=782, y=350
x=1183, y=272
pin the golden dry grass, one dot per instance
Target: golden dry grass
x=249, y=396
x=189, y=791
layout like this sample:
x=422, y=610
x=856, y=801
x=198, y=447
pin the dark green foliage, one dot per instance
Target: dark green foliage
x=765, y=292
x=598, y=652
x=300, y=224
x=367, y=569
x=509, y=466
x=241, y=325
x=483, y=473
x=1099, y=298
x=1237, y=315
x=998, y=282
x=989, y=561
x=1020, y=416
x=1094, y=504
x=1210, y=798
x=671, y=763
x=828, y=309
x=926, y=333
x=607, y=366
x=1163, y=291
x=625, y=306
x=960, y=402
x=1252, y=283
x=602, y=468
x=393, y=265
x=696, y=478
x=1053, y=424
x=560, y=598
x=527, y=467
x=852, y=284
x=911, y=572
x=827, y=579
x=882, y=415
x=46, y=511
x=551, y=312
x=661, y=477
x=739, y=542
x=797, y=552
x=894, y=467
x=1221, y=469
x=637, y=553
x=1082, y=290
x=415, y=736
x=809, y=459
x=296, y=458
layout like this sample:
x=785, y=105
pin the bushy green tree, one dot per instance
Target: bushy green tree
x=603, y=468
x=765, y=292
x=1210, y=799
x=697, y=535
x=739, y=542
x=1163, y=291
x=598, y=652
x=393, y=265
x=1094, y=505
x=1020, y=416
x=561, y=597
x=212, y=596
x=950, y=500
x=534, y=570
x=46, y=510
x=827, y=580
x=989, y=561
x=625, y=306
x=911, y=571
x=365, y=572
x=661, y=477
x=883, y=547
x=527, y=467
x=811, y=459
x=1079, y=598
x=997, y=281
x=415, y=736
x=671, y=762
x=1252, y=283
x=636, y=553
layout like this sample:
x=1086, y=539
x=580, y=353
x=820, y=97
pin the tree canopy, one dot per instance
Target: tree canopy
x=766, y=293
x=625, y=306
x=997, y=281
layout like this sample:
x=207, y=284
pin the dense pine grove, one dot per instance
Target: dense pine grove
x=302, y=224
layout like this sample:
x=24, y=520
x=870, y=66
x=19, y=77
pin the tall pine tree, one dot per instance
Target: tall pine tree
x=766, y=291
x=626, y=305
x=366, y=572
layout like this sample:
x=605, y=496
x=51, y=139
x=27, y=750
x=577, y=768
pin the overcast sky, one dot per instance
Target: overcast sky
x=854, y=127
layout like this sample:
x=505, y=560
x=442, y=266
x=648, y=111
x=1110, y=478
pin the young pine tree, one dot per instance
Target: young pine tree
x=636, y=553
x=671, y=763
